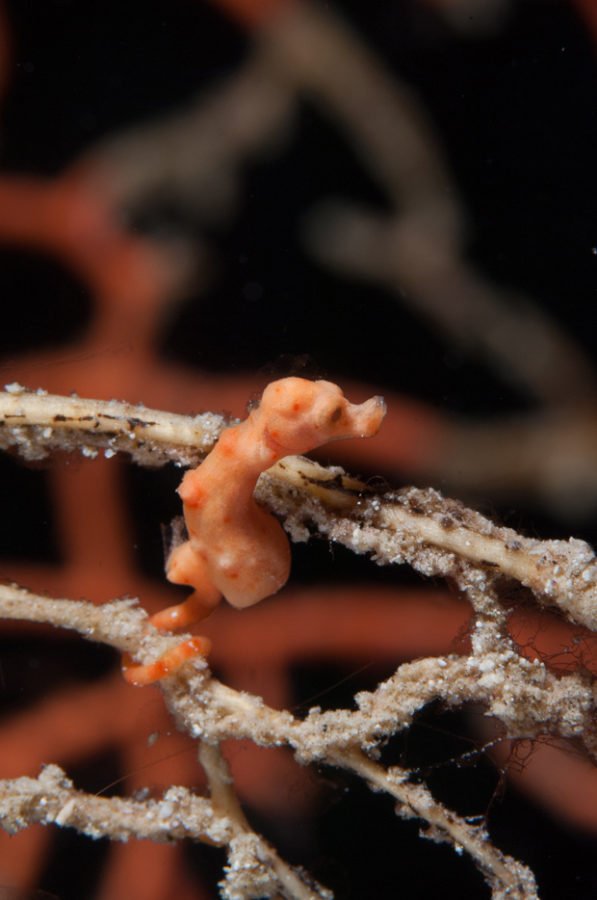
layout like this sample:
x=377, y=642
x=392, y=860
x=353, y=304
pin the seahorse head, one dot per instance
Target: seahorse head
x=298, y=415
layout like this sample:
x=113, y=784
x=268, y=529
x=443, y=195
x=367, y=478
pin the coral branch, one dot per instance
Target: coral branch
x=255, y=870
x=508, y=878
x=525, y=697
x=434, y=535
x=36, y=423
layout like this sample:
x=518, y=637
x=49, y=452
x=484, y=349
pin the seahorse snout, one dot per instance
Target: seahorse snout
x=367, y=417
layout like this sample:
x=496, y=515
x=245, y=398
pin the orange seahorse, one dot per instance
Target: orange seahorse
x=235, y=548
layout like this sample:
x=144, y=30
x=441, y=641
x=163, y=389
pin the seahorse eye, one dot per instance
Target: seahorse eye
x=336, y=415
